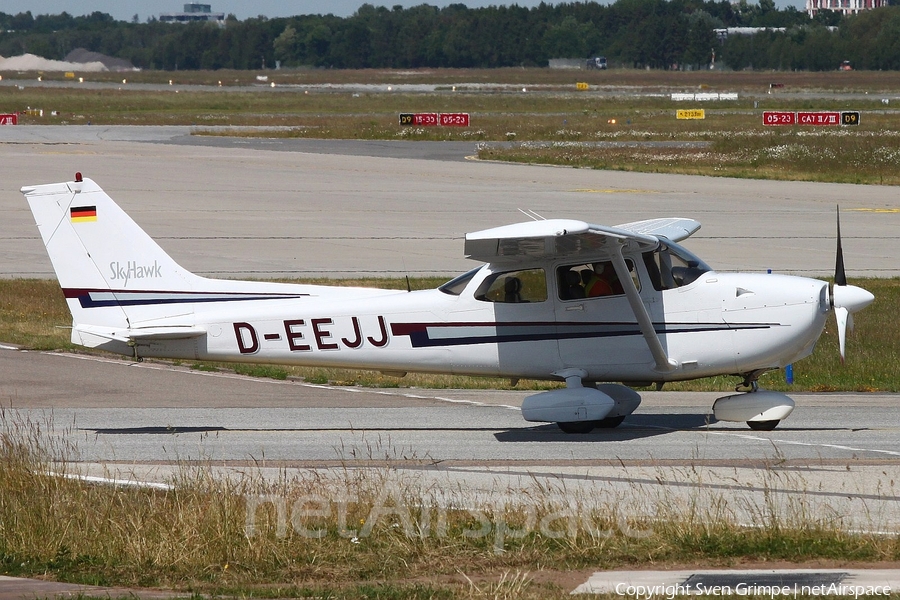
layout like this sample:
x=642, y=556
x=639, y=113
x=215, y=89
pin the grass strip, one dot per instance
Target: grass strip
x=621, y=106
x=33, y=314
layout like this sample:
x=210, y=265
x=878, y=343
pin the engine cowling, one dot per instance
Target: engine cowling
x=569, y=405
x=758, y=406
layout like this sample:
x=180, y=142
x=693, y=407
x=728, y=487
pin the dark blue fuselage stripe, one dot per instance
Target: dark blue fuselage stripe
x=421, y=339
x=87, y=301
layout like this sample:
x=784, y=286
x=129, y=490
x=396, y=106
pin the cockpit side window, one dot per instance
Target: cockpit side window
x=527, y=285
x=670, y=266
x=592, y=280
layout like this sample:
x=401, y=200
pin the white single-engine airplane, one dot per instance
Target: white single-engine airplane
x=557, y=300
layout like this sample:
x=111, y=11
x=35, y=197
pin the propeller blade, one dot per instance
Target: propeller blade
x=845, y=299
x=840, y=277
x=841, y=314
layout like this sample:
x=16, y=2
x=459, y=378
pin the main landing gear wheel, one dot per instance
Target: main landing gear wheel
x=763, y=425
x=609, y=422
x=578, y=426
x=588, y=426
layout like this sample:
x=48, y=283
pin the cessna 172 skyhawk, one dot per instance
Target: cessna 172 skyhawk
x=556, y=300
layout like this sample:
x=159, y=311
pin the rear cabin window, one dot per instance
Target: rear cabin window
x=512, y=287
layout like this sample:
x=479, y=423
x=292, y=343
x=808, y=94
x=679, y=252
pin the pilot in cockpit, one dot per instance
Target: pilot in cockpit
x=601, y=280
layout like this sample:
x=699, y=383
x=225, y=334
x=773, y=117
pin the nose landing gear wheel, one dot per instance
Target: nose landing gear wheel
x=763, y=425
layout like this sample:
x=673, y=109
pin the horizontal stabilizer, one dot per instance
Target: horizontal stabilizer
x=140, y=334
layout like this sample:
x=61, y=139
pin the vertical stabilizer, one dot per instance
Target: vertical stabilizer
x=121, y=286
x=104, y=261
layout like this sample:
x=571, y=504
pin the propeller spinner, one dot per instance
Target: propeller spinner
x=845, y=299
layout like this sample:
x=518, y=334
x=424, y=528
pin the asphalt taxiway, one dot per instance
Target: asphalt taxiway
x=142, y=422
x=128, y=411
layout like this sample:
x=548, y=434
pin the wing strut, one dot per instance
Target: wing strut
x=663, y=363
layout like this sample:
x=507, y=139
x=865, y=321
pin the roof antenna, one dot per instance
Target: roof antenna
x=531, y=214
x=408, y=287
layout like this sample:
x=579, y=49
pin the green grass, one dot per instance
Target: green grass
x=269, y=371
x=33, y=314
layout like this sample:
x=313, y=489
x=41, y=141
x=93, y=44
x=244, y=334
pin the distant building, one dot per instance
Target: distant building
x=724, y=32
x=194, y=12
x=845, y=7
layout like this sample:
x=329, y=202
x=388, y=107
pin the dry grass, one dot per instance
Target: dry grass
x=34, y=314
x=336, y=531
x=863, y=155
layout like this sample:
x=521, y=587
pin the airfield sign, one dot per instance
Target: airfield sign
x=826, y=118
x=419, y=119
x=691, y=113
x=771, y=117
x=434, y=119
x=820, y=118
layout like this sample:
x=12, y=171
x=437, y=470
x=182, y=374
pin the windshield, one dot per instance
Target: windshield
x=672, y=266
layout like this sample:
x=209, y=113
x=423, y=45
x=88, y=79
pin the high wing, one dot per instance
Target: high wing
x=553, y=237
x=572, y=238
x=673, y=228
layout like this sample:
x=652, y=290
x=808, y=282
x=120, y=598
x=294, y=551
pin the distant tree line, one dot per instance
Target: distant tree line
x=660, y=34
x=869, y=40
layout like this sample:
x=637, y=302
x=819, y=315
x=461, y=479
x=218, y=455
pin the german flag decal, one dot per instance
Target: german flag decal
x=83, y=214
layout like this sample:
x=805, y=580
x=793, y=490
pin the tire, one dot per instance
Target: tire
x=577, y=426
x=609, y=422
x=763, y=425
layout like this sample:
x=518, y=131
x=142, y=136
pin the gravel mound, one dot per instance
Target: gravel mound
x=30, y=62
